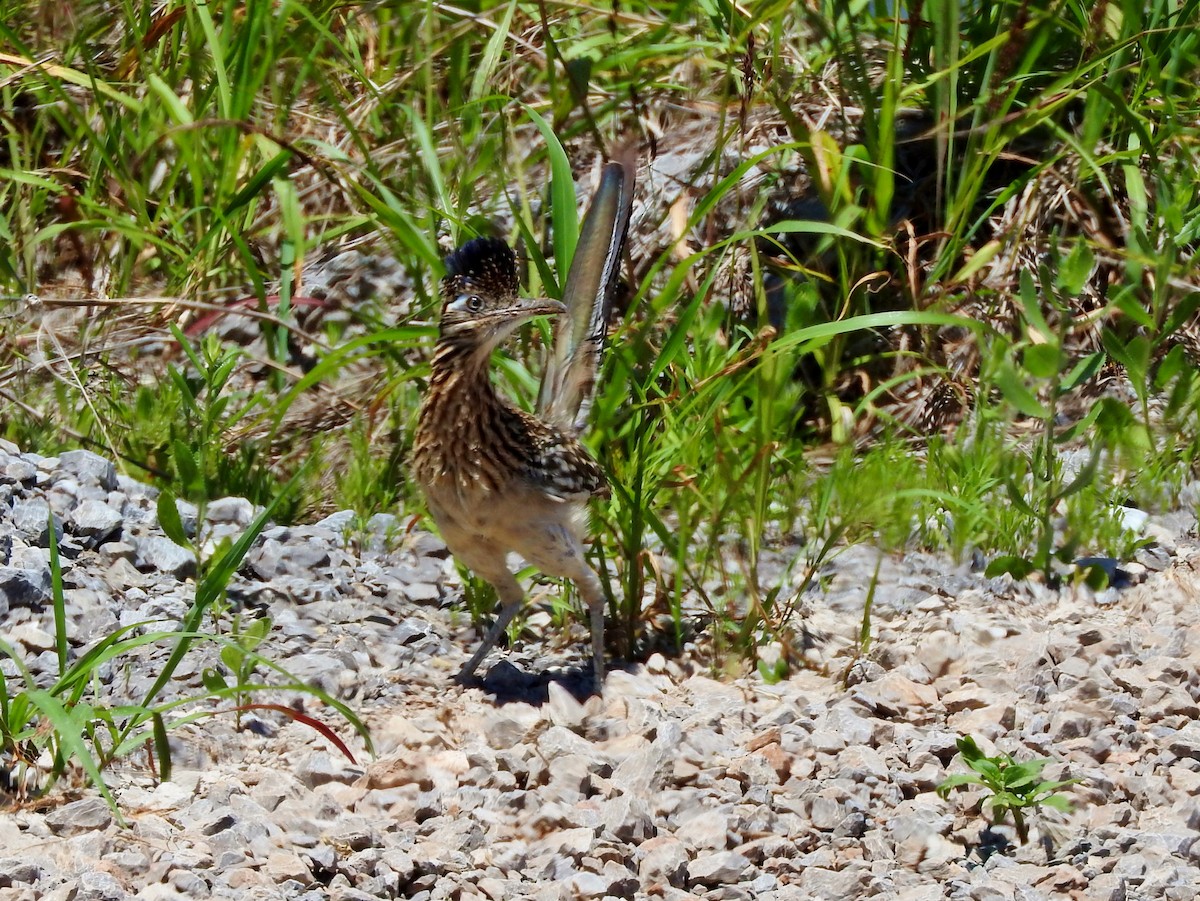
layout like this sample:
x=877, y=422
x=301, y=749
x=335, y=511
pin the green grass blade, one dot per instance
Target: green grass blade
x=69, y=731
x=211, y=587
x=61, y=647
x=162, y=747
x=564, y=215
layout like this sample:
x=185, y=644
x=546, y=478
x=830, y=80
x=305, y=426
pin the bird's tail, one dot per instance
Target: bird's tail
x=565, y=397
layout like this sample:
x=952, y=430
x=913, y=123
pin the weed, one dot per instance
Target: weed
x=1015, y=787
x=1042, y=356
x=65, y=722
x=240, y=660
x=863, y=644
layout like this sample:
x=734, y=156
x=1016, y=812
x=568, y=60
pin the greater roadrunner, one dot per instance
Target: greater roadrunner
x=498, y=479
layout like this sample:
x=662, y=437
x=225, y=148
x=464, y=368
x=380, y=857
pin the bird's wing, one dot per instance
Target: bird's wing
x=565, y=397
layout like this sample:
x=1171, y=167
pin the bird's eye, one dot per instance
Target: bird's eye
x=474, y=303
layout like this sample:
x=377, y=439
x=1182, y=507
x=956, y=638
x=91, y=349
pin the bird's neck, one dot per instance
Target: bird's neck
x=460, y=365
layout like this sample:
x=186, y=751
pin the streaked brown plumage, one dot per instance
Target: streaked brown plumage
x=496, y=478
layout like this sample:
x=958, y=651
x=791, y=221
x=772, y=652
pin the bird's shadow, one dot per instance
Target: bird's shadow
x=509, y=684
x=993, y=841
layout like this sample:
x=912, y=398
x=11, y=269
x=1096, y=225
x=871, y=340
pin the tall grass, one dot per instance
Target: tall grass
x=205, y=152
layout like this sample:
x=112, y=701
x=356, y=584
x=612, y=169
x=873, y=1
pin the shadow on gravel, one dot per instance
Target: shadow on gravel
x=510, y=684
x=992, y=841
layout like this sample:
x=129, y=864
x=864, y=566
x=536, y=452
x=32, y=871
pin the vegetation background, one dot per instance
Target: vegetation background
x=917, y=274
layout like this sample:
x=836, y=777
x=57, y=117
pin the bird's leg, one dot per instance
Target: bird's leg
x=511, y=596
x=593, y=596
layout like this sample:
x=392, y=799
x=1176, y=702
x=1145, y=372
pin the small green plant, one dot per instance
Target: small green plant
x=68, y=721
x=864, y=627
x=478, y=596
x=240, y=658
x=772, y=663
x=1016, y=787
x=1035, y=388
x=209, y=411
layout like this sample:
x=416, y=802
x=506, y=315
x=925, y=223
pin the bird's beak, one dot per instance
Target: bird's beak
x=528, y=307
x=501, y=323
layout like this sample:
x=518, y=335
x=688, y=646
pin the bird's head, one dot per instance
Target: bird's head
x=480, y=304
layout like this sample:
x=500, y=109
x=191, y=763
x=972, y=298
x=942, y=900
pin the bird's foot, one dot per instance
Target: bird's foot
x=466, y=678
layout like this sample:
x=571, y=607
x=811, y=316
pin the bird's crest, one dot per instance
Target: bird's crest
x=483, y=265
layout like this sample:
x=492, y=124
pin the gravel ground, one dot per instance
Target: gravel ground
x=671, y=785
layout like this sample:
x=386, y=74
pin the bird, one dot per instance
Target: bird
x=496, y=478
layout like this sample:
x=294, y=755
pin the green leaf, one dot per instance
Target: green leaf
x=1084, y=370
x=579, y=75
x=491, y=55
x=429, y=156
x=232, y=656
x=1016, y=497
x=61, y=646
x=256, y=632
x=1172, y=364
x=1133, y=355
x=1023, y=774
x=677, y=338
x=1085, y=477
x=978, y=260
x=1133, y=306
x=1080, y=427
x=69, y=731
x=186, y=468
x=212, y=680
x=1031, y=306
x=968, y=748
x=1010, y=564
x=1074, y=271
x=169, y=520
x=988, y=769
x=187, y=347
x=211, y=587
x=162, y=747
x=720, y=12
x=186, y=394
x=1182, y=313
x=564, y=215
x=177, y=109
x=1043, y=361
x=258, y=181
x=1012, y=386
x=1095, y=576
x=1003, y=801
x=767, y=673
x=219, y=375
x=1115, y=418
x=1058, y=802
x=216, y=50
x=952, y=782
